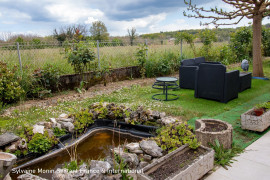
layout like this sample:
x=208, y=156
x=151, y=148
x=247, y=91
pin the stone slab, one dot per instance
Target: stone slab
x=8, y=138
x=254, y=163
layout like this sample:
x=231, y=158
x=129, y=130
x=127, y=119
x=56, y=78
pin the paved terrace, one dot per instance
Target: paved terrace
x=253, y=163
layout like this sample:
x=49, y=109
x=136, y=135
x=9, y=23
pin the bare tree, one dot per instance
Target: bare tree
x=132, y=35
x=251, y=9
x=71, y=32
x=5, y=36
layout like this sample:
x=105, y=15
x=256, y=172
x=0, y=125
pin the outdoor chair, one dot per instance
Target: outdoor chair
x=213, y=82
x=187, y=71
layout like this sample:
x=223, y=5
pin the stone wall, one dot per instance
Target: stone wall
x=71, y=81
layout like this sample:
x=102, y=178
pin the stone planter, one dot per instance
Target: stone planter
x=255, y=123
x=6, y=162
x=193, y=171
x=208, y=130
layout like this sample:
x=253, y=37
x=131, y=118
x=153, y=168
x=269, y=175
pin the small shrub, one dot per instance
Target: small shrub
x=141, y=55
x=45, y=81
x=266, y=41
x=59, y=132
x=223, y=156
x=241, y=43
x=80, y=57
x=227, y=56
x=171, y=137
x=82, y=120
x=10, y=89
x=41, y=143
x=72, y=166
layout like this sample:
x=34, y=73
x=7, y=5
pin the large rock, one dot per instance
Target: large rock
x=67, y=125
x=150, y=147
x=133, y=146
x=65, y=120
x=62, y=174
x=38, y=129
x=143, y=164
x=168, y=120
x=130, y=159
x=53, y=120
x=12, y=148
x=8, y=138
x=63, y=115
x=96, y=173
x=113, y=177
x=29, y=176
x=117, y=150
x=22, y=144
x=105, y=166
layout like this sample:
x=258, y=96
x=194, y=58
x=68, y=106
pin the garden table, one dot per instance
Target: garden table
x=165, y=83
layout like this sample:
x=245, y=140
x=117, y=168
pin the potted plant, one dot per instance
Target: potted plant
x=257, y=118
x=261, y=108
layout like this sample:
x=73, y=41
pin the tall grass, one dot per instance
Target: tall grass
x=110, y=56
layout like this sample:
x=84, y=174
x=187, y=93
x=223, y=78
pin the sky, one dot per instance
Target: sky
x=147, y=16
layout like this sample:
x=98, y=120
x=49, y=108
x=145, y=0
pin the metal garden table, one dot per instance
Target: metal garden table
x=165, y=83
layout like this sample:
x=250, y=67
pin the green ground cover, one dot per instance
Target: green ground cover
x=187, y=107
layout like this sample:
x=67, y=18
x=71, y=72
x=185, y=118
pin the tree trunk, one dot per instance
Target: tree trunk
x=257, y=52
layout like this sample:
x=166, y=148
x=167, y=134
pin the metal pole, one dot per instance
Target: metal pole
x=181, y=47
x=98, y=54
x=19, y=55
x=146, y=48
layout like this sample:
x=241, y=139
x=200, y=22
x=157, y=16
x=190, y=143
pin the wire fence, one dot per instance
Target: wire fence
x=32, y=56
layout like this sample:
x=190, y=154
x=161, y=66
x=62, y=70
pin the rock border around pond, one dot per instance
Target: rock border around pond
x=255, y=123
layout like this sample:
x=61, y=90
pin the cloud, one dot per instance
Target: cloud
x=141, y=24
x=146, y=16
x=68, y=13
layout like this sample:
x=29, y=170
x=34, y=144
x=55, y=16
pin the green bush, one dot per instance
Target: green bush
x=171, y=137
x=227, y=56
x=41, y=143
x=48, y=77
x=141, y=56
x=241, y=43
x=59, y=132
x=10, y=89
x=80, y=57
x=224, y=156
x=266, y=41
x=82, y=120
x=158, y=65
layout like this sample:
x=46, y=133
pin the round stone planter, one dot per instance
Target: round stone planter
x=208, y=130
x=6, y=162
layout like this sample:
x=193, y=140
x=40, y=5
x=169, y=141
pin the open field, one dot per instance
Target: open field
x=110, y=56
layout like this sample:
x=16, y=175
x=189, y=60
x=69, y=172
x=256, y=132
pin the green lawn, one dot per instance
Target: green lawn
x=187, y=107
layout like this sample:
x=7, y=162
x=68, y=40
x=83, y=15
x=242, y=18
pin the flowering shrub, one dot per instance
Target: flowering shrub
x=10, y=89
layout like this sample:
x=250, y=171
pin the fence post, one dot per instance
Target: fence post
x=146, y=48
x=19, y=55
x=181, y=47
x=98, y=54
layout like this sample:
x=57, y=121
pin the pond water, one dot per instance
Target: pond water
x=96, y=146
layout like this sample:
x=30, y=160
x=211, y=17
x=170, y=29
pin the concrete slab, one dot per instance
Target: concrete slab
x=243, y=169
x=254, y=163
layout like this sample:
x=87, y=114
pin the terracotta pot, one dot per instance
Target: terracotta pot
x=259, y=112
